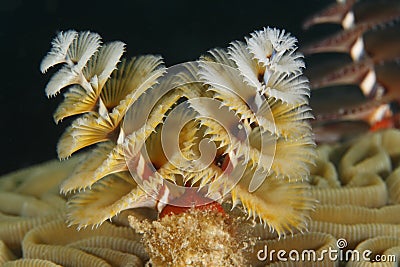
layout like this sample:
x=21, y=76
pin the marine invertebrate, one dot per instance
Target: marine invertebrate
x=365, y=156
x=5, y=253
x=355, y=25
x=393, y=183
x=260, y=81
x=353, y=222
x=340, y=13
x=102, y=181
x=348, y=12
x=361, y=220
x=31, y=262
x=25, y=208
x=149, y=123
x=106, y=245
x=361, y=57
x=355, y=233
x=365, y=189
x=33, y=231
x=351, y=214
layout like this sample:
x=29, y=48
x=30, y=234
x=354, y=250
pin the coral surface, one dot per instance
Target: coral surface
x=34, y=223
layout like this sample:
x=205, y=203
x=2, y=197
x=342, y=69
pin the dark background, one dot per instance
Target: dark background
x=178, y=30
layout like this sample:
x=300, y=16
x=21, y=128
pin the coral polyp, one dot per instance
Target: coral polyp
x=147, y=124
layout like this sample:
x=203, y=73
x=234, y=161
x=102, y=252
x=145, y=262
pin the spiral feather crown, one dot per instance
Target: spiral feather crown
x=248, y=101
